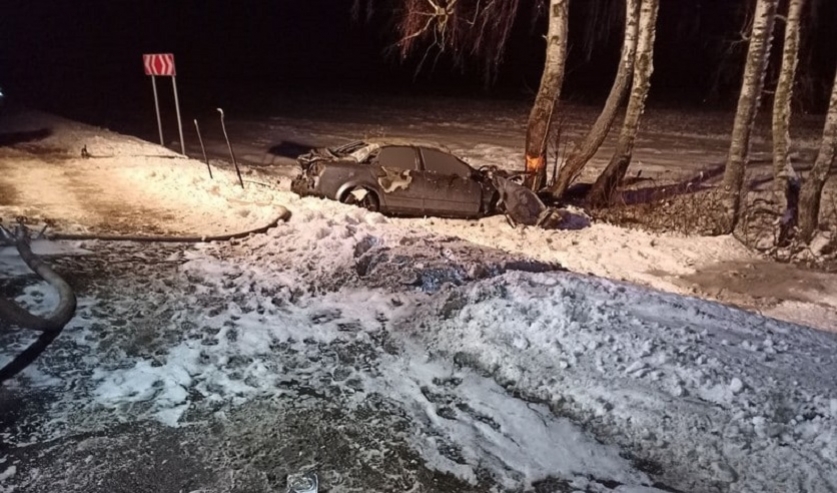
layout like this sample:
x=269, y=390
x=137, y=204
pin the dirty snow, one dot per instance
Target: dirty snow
x=711, y=395
x=671, y=147
x=127, y=185
x=510, y=373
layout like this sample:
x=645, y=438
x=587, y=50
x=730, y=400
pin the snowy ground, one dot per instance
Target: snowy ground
x=671, y=147
x=400, y=354
x=127, y=185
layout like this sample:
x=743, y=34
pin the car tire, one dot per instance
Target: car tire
x=369, y=201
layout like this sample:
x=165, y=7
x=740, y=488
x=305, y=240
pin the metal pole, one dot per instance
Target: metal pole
x=229, y=146
x=177, y=107
x=157, y=107
x=203, y=150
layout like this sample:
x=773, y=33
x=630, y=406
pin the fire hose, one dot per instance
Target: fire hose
x=52, y=324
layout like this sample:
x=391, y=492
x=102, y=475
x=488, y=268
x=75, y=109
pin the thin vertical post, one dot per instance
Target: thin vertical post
x=229, y=146
x=203, y=149
x=157, y=107
x=177, y=108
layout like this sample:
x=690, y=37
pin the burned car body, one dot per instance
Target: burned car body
x=396, y=178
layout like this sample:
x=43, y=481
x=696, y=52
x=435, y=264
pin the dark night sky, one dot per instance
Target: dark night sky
x=69, y=54
x=61, y=49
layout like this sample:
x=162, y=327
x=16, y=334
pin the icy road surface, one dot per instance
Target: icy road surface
x=398, y=360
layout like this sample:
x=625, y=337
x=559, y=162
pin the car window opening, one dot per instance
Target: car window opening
x=439, y=162
x=399, y=157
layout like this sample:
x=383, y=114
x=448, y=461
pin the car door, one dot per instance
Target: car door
x=396, y=169
x=450, y=187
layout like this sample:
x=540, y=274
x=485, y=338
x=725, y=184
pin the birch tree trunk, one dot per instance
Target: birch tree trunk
x=540, y=117
x=598, y=132
x=761, y=38
x=811, y=194
x=602, y=191
x=782, y=167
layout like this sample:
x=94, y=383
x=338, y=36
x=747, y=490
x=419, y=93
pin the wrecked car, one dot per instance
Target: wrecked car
x=400, y=179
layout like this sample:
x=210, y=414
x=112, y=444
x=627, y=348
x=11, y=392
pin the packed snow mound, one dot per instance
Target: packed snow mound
x=686, y=394
x=713, y=394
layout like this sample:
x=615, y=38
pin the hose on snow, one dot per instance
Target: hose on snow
x=51, y=325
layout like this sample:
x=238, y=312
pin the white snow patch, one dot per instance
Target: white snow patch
x=521, y=442
x=5, y=476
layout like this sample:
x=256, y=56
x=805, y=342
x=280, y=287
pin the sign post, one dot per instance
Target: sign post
x=157, y=107
x=177, y=109
x=163, y=64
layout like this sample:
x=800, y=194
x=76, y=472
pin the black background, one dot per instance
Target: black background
x=83, y=57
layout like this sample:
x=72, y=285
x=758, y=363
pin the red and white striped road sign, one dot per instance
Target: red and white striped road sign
x=159, y=64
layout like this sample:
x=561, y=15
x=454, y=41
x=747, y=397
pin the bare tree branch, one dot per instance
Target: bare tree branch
x=459, y=29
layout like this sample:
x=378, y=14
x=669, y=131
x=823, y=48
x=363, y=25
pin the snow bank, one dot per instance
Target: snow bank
x=713, y=394
x=626, y=384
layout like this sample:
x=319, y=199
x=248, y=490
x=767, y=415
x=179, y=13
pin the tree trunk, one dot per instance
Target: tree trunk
x=598, y=132
x=540, y=117
x=782, y=167
x=748, y=103
x=811, y=195
x=602, y=191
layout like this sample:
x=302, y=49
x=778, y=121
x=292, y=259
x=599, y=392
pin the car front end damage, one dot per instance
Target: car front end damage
x=312, y=181
x=490, y=194
x=329, y=179
x=307, y=182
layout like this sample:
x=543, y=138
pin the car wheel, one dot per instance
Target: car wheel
x=362, y=197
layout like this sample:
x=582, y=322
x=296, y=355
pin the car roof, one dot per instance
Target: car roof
x=396, y=141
